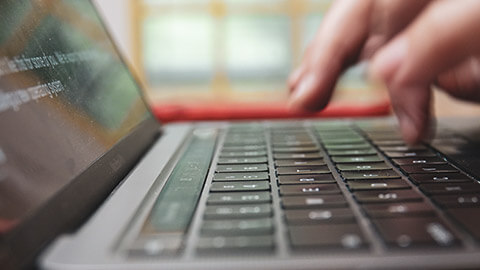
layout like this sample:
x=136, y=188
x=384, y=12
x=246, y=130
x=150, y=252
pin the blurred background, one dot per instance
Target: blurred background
x=190, y=52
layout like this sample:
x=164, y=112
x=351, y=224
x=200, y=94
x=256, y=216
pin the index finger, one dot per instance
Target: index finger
x=337, y=42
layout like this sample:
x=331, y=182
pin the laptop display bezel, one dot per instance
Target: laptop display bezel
x=72, y=205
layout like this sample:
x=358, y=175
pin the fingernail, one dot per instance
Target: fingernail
x=303, y=89
x=388, y=60
x=294, y=75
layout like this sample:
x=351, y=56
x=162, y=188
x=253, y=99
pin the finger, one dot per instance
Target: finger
x=413, y=114
x=294, y=78
x=296, y=75
x=339, y=39
x=441, y=37
x=463, y=81
x=389, y=18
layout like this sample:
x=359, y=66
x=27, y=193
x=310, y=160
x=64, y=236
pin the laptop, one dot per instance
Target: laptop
x=90, y=180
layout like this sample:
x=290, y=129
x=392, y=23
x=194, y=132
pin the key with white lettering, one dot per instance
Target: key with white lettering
x=306, y=179
x=303, y=170
x=259, y=167
x=294, y=162
x=239, y=198
x=308, y=190
x=415, y=232
x=241, y=176
x=316, y=216
x=378, y=174
x=318, y=201
x=387, y=196
x=363, y=166
x=344, y=236
x=384, y=210
x=240, y=186
x=378, y=184
x=450, y=188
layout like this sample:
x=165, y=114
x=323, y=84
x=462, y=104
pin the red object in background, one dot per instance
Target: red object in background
x=233, y=111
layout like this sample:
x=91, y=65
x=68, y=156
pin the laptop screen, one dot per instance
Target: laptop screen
x=65, y=100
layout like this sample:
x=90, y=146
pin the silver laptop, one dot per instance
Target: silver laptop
x=89, y=180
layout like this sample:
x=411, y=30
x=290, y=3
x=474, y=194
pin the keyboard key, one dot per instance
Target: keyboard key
x=297, y=156
x=294, y=162
x=237, y=227
x=243, y=154
x=241, y=176
x=389, y=142
x=390, y=196
x=363, y=166
x=279, y=138
x=357, y=159
x=240, y=186
x=408, y=232
x=428, y=168
x=259, y=167
x=346, y=236
x=469, y=218
x=222, y=161
x=308, y=190
x=362, y=152
x=243, y=141
x=457, y=201
x=377, y=185
x=305, y=149
x=338, y=134
x=305, y=179
x=439, y=178
x=239, y=198
x=294, y=143
x=353, y=140
x=164, y=245
x=314, y=216
x=450, y=188
x=249, y=147
x=317, y=201
x=238, y=211
x=390, y=137
x=348, y=146
x=366, y=175
x=217, y=244
x=382, y=210
x=402, y=148
x=302, y=170
x=416, y=161
x=409, y=154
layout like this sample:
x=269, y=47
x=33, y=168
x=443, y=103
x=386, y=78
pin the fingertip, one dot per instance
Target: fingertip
x=414, y=129
x=303, y=87
x=409, y=130
x=308, y=96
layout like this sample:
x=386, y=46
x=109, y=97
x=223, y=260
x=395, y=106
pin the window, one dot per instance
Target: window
x=223, y=48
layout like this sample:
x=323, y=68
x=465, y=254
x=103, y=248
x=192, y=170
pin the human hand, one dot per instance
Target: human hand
x=411, y=44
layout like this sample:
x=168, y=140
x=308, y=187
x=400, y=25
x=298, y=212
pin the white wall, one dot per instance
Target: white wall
x=117, y=17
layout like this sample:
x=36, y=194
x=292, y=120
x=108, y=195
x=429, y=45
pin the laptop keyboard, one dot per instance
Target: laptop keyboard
x=331, y=185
